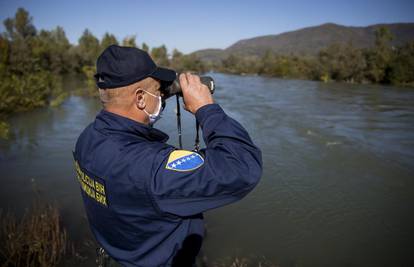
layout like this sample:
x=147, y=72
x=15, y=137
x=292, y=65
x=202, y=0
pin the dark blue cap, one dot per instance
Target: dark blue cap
x=119, y=66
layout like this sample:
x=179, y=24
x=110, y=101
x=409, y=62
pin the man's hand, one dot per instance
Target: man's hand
x=195, y=93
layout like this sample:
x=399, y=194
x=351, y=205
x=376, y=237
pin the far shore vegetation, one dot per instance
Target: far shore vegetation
x=33, y=64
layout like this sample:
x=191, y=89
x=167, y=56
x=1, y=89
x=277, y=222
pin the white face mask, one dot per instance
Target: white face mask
x=157, y=114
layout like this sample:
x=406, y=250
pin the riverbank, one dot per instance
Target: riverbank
x=35, y=239
x=69, y=85
x=381, y=64
x=40, y=238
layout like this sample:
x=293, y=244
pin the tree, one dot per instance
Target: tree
x=107, y=40
x=402, y=66
x=267, y=63
x=176, y=59
x=88, y=48
x=383, y=37
x=230, y=63
x=145, y=47
x=130, y=41
x=20, y=32
x=160, y=56
x=378, y=59
x=342, y=63
x=50, y=50
x=4, y=54
x=21, y=26
x=176, y=54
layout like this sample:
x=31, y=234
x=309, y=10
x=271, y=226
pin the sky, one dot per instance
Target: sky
x=192, y=25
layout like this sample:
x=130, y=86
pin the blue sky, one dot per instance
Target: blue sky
x=193, y=25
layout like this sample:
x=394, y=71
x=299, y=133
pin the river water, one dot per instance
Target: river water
x=338, y=181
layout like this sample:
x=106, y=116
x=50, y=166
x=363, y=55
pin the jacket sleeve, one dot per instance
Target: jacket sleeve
x=225, y=171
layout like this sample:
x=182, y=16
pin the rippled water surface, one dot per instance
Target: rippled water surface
x=338, y=182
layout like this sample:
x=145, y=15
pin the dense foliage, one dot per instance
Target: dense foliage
x=33, y=63
x=382, y=63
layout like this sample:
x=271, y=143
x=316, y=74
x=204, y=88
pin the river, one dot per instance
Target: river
x=338, y=181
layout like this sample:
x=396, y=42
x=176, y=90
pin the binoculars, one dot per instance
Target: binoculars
x=175, y=88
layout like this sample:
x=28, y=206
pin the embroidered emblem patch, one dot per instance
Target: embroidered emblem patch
x=184, y=160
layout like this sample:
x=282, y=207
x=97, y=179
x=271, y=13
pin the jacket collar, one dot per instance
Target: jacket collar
x=108, y=122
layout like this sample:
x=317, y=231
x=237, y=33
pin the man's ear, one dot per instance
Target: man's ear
x=140, y=98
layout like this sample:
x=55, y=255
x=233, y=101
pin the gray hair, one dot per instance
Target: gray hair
x=122, y=96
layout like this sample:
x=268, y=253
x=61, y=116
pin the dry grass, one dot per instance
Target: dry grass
x=37, y=239
x=237, y=262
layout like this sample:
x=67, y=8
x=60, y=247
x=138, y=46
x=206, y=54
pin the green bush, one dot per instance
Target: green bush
x=4, y=129
x=28, y=91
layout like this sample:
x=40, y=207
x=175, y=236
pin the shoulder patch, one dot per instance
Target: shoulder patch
x=184, y=160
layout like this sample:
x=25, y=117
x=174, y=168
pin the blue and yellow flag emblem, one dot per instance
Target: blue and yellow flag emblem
x=184, y=160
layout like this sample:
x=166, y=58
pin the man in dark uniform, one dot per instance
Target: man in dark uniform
x=144, y=198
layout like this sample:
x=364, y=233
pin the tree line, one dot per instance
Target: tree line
x=381, y=63
x=34, y=63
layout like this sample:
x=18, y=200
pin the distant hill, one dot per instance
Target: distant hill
x=309, y=41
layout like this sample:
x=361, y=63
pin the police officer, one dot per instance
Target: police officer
x=144, y=198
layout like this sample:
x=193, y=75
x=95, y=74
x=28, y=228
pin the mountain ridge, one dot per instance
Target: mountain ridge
x=310, y=40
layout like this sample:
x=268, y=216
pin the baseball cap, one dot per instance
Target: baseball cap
x=119, y=66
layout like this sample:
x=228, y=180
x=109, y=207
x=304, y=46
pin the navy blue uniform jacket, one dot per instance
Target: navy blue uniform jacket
x=144, y=198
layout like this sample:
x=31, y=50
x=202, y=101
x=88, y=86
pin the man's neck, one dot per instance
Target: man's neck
x=138, y=117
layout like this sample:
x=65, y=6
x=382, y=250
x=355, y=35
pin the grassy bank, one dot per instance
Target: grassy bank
x=39, y=238
x=36, y=239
